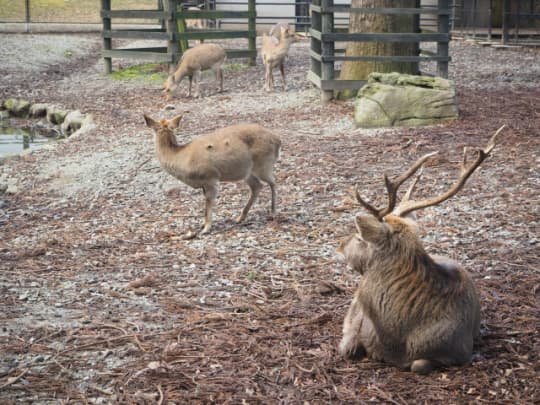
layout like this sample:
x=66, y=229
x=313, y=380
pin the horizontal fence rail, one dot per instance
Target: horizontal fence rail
x=325, y=36
x=172, y=18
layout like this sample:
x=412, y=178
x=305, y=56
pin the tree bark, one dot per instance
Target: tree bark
x=380, y=23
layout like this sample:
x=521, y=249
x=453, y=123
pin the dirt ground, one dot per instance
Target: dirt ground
x=103, y=302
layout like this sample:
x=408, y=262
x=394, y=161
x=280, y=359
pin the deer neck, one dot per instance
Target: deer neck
x=284, y=44
x=169, y=152
x=180, y=73
x=399, y=260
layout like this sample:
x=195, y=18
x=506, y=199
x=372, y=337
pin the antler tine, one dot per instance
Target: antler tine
x=393, y=186
x=366, y=205
x=493, y=141
x=411, y=188
x=410, y=206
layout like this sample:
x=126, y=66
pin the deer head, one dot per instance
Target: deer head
x=388, y=234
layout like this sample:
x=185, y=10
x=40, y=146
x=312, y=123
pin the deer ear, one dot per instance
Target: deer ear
x=150, y=122
x=173, y=123
x=370, y=228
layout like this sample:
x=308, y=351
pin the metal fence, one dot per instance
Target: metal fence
x=511, y=21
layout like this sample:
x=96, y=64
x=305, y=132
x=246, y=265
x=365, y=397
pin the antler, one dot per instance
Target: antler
x=392, y=188
x=409, y=206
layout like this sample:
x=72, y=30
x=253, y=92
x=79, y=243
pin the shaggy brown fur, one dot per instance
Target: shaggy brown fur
x=411, y=309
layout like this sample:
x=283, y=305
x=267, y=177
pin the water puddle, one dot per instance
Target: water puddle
x=15, y=140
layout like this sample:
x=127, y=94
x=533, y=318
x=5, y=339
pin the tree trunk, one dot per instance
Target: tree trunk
x=380, y=23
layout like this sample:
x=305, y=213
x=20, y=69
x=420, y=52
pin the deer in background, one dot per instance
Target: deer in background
x=193, y=62
x=275, y=31
x=245, y=152
x=196, y=23
x=274, y=53
x=411, y=309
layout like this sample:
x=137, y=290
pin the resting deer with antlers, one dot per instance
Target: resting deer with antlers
x=238, y=152
x=411, y=309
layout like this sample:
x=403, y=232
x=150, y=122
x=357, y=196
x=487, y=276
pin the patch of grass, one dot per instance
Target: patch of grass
x=66, y=11
x=148, y=72
x=235, y=67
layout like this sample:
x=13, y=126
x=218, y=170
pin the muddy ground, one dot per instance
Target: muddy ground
x=103, y=302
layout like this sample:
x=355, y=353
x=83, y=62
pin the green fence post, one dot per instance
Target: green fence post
x=107, y=42
x=442, y=47
x=252, y=28
x=327, y=48
x=173, y=48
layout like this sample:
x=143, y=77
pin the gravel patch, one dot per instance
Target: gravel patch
x=104, y=302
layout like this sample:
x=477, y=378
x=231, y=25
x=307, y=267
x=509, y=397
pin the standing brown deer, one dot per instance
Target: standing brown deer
x=411, y=309
x=238, y=152
x=274, y=51
x=195, y=60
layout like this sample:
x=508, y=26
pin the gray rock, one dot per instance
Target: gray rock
x=4, y=115
x=393, y=99
x=72, y=122
x=56, y=115
x=38, y=110
x=87, y=124
x=17, y=108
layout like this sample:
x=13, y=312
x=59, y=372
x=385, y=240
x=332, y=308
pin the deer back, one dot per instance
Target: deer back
x=203, y=56
x=228, y=154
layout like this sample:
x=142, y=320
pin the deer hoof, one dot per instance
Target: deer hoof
x=422, y=366
x=190, y=235
x=240, y=219
x=349, y=350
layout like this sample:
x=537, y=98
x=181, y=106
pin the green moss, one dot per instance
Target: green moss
x=148, y=72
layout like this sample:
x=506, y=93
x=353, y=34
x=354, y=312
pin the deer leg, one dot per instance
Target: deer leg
x=271, y=181
x=282, y=70
x=219, y=78
x=210, y=193
x=197, y=78
x=270, y=78
x=358, y=331
x=255, y=186
x=266, y=78
x=190, y=77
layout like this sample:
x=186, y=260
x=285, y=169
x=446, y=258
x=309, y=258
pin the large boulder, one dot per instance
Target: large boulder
x=394, y=99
